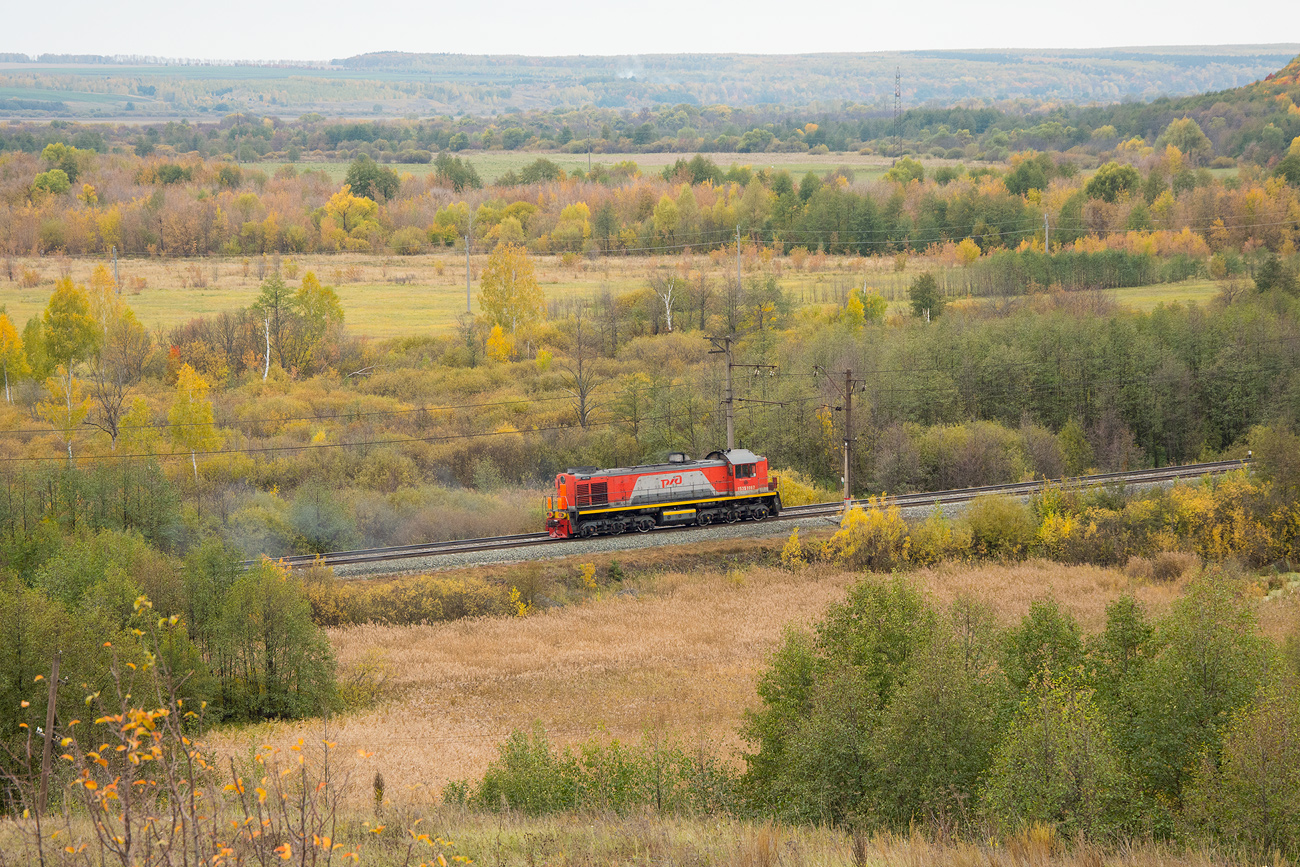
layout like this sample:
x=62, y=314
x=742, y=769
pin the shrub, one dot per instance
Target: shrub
x=938, y=733
x=937, y=539
x=1210, y=662
x=999, y=526
x=822, y=700
x=407, y=241
x=1047, y=643
x=1058, y=765
x=873, y=538
x=1172, y=565
x=792, y=556
x=1250, y=797
x=532, y=777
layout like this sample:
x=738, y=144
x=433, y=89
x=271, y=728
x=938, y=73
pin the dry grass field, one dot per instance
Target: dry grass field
x=390, y=296
x=491, y=165
x=676, y=655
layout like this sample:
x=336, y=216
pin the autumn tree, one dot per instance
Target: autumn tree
x=12, y=357
x=192, y=425
x=275, y=304
x=579, y=375
x=66, y=407
x=508, y=292
x=347, y=216
x=70, y=331
x=70, y=334
x=138, y=433
x=117, y=366
x=1186, y=135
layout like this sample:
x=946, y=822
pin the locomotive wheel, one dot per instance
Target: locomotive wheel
x=759, y=513
x=705, y=519
x=730, y=517
x=586, y=531
x=618, y=527
x=643, y=525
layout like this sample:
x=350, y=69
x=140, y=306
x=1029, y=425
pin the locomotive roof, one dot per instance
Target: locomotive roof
x=713, y=459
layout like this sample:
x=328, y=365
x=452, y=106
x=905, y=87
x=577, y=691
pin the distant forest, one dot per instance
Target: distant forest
x=391, y=84
x=1255, y=123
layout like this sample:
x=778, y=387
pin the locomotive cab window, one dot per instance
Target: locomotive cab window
x=746, y=471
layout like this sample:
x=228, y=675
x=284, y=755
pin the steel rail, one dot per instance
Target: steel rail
x=788, y=513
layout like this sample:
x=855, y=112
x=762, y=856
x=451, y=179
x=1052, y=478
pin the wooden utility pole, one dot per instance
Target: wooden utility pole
x=467, y=308
x=848, y=432
x=48, y=747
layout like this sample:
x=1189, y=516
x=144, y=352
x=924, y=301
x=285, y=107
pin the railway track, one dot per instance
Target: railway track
x=929, y=498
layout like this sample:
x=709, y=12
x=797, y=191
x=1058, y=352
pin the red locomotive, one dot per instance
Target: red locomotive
x=724, y=487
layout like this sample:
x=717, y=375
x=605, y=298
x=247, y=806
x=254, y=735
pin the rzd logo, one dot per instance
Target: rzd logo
x=670, y=482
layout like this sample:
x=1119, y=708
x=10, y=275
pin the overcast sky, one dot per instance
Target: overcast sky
x=324, y=29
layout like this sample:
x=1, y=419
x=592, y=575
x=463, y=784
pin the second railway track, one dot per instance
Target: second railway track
x=434, y=550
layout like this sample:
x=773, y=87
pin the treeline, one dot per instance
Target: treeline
x=1251, y=123
x=895, y=715
x=892, y=712
x=81, y=549
x=1156, y=201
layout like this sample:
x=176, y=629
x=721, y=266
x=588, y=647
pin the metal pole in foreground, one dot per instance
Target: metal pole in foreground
x=848, y=438
x=731, y=404
x=467, y=308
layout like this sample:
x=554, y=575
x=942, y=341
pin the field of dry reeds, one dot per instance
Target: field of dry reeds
x=674, y=655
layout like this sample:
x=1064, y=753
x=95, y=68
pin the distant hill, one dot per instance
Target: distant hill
x=1255, y=121
x=927, y=77
x=391, y=84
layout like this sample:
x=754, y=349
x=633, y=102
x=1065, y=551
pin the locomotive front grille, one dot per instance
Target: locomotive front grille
x=592, y=494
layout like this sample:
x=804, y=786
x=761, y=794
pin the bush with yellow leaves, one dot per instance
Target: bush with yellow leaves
x=874, y=538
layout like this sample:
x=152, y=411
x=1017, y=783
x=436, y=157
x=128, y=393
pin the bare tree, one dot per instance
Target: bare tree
x=701, y=297
x=119, y=365
x=580, y=377
x=664, y=287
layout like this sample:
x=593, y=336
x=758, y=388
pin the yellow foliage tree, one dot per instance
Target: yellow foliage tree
x=500, y=346
x=66, y=408
x=190, y=417
x=967, y=252
x=509, y=293
x=12, y=357
x=138, y=433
